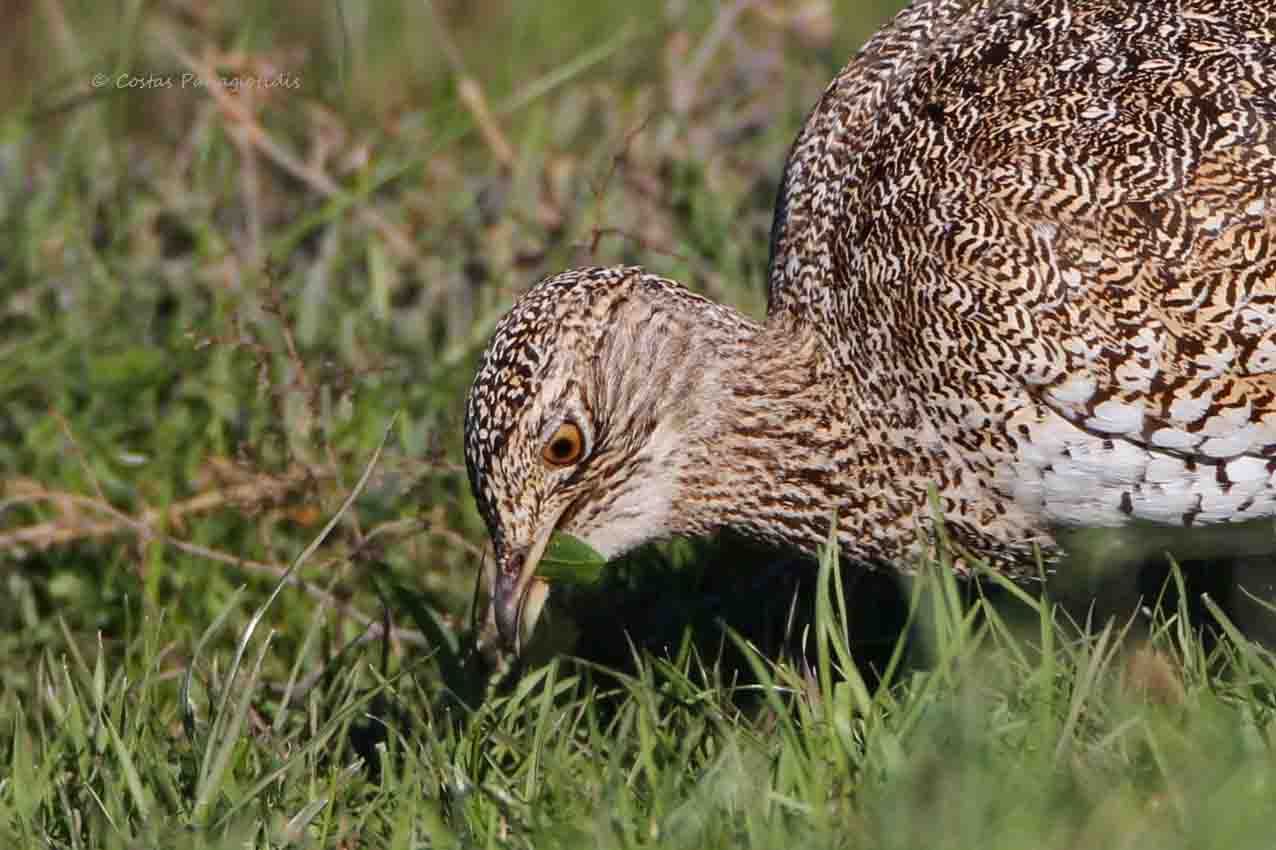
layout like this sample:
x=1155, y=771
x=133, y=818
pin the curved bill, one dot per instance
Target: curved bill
x=518, y=596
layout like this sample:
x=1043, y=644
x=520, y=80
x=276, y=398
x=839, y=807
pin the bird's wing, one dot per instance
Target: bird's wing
x=1078, y=197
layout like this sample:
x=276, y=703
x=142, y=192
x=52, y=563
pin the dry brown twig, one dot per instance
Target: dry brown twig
x=148, y=526
x=255, y=491
x=682, y=89
x=79, y=453
x=471, y=94
x=71, y=527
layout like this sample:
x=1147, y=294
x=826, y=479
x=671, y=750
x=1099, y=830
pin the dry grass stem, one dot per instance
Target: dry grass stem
x=250, y=130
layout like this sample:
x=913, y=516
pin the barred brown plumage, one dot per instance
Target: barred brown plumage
x=1025, y=253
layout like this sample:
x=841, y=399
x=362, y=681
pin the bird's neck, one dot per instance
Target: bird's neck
x=773, y=452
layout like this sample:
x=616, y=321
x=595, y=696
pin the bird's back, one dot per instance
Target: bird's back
x=1045, y=231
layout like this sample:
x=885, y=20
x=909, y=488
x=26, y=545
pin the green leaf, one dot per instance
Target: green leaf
x=571, y=560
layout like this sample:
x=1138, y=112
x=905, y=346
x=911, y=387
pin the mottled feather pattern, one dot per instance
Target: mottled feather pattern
x=1066, y=211
x=1024, y=253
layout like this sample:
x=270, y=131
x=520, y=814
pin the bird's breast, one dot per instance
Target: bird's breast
x=1069, y=477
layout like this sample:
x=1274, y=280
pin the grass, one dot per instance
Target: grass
x=237, y=551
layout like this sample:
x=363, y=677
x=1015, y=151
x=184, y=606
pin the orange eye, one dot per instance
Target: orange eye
x=565, y=447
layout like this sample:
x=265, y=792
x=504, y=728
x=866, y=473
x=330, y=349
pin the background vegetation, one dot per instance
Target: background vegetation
x=218, y=302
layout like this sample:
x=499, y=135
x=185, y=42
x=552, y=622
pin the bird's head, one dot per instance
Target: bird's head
x=580, y=420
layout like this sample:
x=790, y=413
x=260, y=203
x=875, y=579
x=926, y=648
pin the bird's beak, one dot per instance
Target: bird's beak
x=517, y=594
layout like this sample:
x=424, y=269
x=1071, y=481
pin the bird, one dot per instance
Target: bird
x=1022, y=280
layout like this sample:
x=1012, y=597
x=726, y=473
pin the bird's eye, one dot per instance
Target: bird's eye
x=565, y=446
